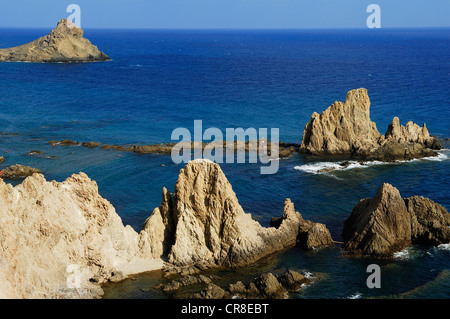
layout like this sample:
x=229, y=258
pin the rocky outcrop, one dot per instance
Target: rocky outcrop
x=265, y=286
x=18, y=171
x=346, y=129
x=284, y=149
x=61, y=240
x=430, y=222
x=65, y=43
x=387, y=223
x=203, y=222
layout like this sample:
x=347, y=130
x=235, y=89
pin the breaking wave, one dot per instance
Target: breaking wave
x=327, y=167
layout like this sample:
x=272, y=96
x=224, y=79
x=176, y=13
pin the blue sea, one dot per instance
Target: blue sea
x=159, y=80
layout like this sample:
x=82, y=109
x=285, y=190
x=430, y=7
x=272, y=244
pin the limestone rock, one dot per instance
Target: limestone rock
x=265, y=286
x=342, y=128
x=380, y=226
x=292, y=280
x=430, y=222
x=18, y=171
x=65, y=43
x=60, y=240
x=209, y=225
x=386, y=224
x=346, y=129
x=212, y=291
x=318, y=236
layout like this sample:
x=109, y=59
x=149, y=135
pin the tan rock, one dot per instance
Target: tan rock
x=430, y=222
x=386, y=224
x=57, y=239
x=65, y=43
x=211, y=226
x=18, y=171
x=378, y=227
x=342, y=128
x=346, y=129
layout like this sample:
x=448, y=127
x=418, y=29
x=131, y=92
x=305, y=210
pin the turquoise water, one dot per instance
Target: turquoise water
x=161, y=80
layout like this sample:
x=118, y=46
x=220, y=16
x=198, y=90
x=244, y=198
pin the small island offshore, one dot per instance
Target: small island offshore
x=65, y=43
x=65, y=239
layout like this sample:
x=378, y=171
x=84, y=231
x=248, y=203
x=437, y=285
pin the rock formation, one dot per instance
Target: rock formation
x=65, y=43
x=18, y=171
x=60, y=240
x=387, y=223
x=203, y=222
x=346, y=129
x=265, y=286
x=430, y=222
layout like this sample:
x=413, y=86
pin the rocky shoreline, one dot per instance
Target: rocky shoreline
x=51, y=233
x=200, y=226
x=56, y=226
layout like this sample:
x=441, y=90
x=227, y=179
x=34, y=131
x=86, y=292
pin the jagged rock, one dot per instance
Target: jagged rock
x=387, y=223
x=65, y=43
x=18, y=171
x=205, y=222
x=292, y=280
x=430, y=222
x=380, y=226
x=55, y=234
x=346, y=129
x=310, y=235
x=317, y=236
x=212, y=291
x=269, y=287
x=265, y=286
x=342, y=128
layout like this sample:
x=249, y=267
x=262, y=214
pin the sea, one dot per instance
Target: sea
x=160, y=80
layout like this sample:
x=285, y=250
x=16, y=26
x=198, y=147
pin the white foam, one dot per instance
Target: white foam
x=326, y=167
x=444, y=247
x=356, y=295
x=404, y=254
x=309, y=275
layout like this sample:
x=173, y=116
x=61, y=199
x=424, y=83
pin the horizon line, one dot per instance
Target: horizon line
x=233, y=28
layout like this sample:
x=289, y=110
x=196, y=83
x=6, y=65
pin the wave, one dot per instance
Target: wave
x=356, y=295
x=327, y=167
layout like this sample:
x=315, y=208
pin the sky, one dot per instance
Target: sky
x=226, y=14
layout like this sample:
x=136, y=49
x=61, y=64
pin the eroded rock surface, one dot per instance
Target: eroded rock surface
x=61, y=240
x=387, y=223
x=18, y=171
x=203, y=222
x=65, y=43
x=346, y=129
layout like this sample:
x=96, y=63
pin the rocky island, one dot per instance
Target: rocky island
x=346, y=129
x=65, y=43
x=385, y=224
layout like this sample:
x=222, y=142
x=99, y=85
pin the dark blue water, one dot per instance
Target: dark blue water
x=161, y=80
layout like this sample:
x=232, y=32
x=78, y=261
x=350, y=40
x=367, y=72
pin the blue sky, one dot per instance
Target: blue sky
x=224, y=14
